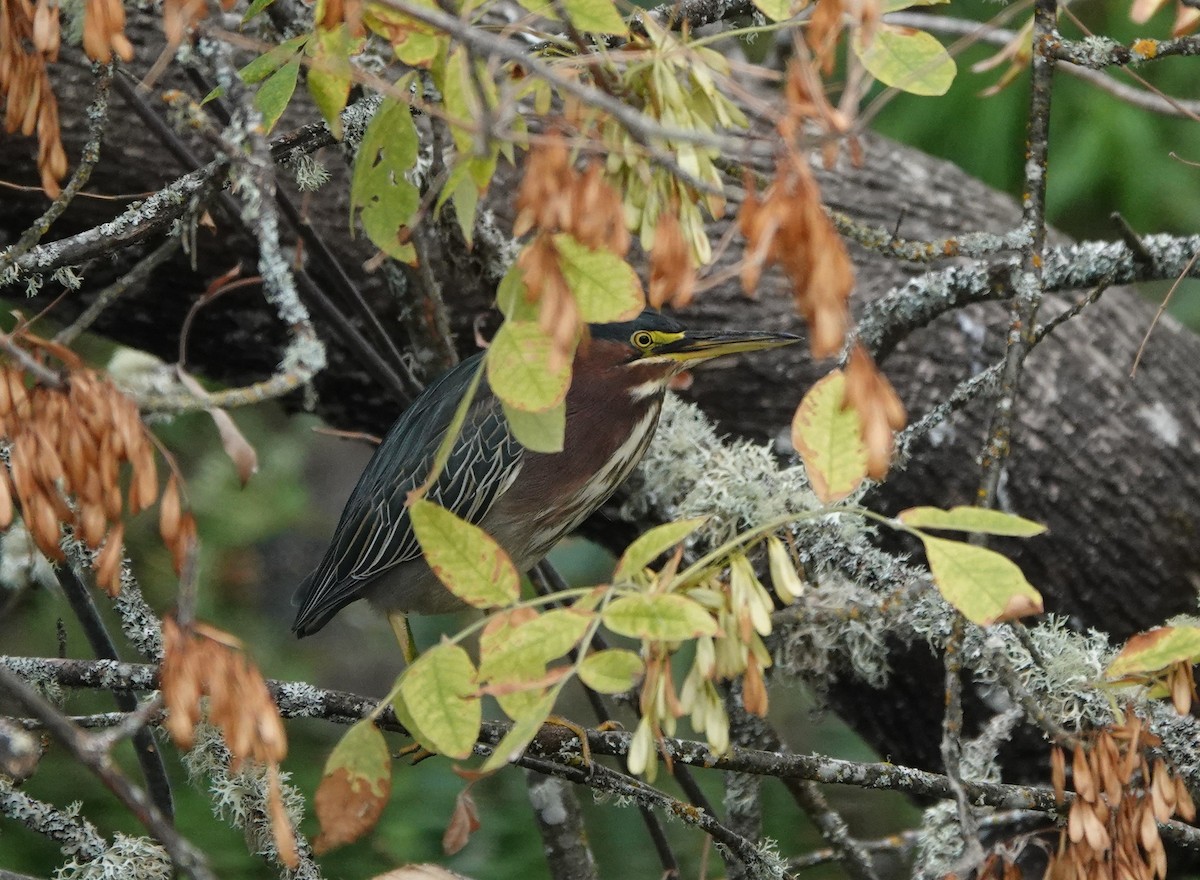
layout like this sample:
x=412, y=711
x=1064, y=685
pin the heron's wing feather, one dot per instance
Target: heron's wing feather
x=375, y=533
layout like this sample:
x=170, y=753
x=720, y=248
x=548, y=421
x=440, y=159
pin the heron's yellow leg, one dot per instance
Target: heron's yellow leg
x=400, y=627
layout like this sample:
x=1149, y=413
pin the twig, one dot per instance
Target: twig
x=185, y=856
x=97, y=114
x=149, y=755
x=29, y=363
x=73, y=833
x=985, y=33
x=131, y=280
x=951, y=749
x=560, y=823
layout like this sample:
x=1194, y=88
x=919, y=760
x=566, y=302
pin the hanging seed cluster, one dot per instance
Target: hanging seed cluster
x=201, y=661
x=29, y=39
x=1123, y=792
x=69, y=451
x=555, y=197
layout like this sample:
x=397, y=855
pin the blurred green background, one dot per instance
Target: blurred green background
x=258, y=541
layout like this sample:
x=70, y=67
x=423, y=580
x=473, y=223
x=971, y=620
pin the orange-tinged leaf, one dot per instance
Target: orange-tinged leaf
x=828, y=439
x=354, y=788
x=983, y=585
x=438, y=694
x=465, y=557
x=1155, y=650
x=540, y=639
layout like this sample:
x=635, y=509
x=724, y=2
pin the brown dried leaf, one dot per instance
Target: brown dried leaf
x=1081, y=772
x=464, y=822
x=1185, y=807
x=1058, y=774
x=236, y=446
x=281, y=825
x=108, y=562
x=346, y=810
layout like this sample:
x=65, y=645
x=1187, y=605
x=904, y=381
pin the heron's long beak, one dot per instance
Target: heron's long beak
x=699, y=345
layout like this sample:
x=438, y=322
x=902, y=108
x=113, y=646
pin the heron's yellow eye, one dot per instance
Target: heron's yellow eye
x=641, y=339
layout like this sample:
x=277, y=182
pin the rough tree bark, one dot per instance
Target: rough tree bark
x=1108, y=462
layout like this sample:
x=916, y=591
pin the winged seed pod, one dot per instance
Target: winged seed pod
x=784, y=577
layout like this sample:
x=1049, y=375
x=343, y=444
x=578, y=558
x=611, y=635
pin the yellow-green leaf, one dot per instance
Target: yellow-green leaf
x=512, y=296
x=274, y=94
x=776, y=10
x=355, y=786
x=380, y=186
x=652, y=544
x=595, y=16
x=897, y=5
x=271, y=60
x=438, y=694
x=329, y=74
x=665, y=617
x=981, y=583
x=605, y=286
x=827, y=437
x=978, y=520
x=908, y=59
x=611, y=672
x=538, y=432
x=1154, y=650
x=523, y=731
x=518, y=650
x=255, y=8
x=519, y=368
x=464, y=557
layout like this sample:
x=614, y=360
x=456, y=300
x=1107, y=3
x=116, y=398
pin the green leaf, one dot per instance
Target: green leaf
x=438, y=694
x=461, y=99
x=981, y=583
x=464, y=557
x=595, y=16
x=775, y=10
x=355, y=786
x=660, y=617
x=271, y=60
x=611, y=672
x=522, y=733
x=907, y=59
x=827, y=437
x=255, y=8
x=965, y=518
x=650, y=545
x=512, y=296
x=605, y=286
x=329, y=74
x=538, y=432
x=1154, y=650
x=273, y=96
x=380, y=186
x=520, y=370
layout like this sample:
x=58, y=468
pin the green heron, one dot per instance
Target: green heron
x=526, y=500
